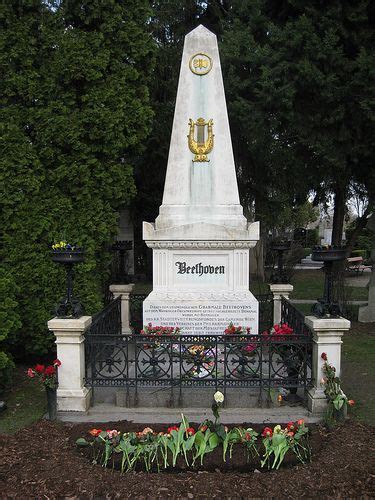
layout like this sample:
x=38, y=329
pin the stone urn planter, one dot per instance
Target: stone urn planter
x=325, y=306
x=280, y=247
x=69, y=306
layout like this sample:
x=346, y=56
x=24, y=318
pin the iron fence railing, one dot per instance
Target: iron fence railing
x=294, y=318
x=108, y=320
x=262, y=362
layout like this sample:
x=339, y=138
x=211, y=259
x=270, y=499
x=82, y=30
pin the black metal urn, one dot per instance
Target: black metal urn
x=280, y=247
x=326, y=306
x=69, y=307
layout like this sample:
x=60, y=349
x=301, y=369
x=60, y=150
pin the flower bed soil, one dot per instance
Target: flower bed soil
x=42, y=461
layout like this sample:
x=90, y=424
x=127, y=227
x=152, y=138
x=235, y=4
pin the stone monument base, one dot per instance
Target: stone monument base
x=202, y=313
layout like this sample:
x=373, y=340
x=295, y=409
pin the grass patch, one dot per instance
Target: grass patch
x=26, y=403
x=309, y=285
x=358, y=374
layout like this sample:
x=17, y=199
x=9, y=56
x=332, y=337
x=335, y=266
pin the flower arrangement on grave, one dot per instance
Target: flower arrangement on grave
x=201, y=357
x=157, y=331
x=160, y=450
x=337, y=401
x=236, y=330
x=154, y=332
x=278, y=441
x=45, y=374
x=238, y=342
x=290, y=353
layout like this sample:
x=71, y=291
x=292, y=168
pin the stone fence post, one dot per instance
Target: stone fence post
x=278, y=291
x=124, y=291
x=327, y=333
x=72, y=395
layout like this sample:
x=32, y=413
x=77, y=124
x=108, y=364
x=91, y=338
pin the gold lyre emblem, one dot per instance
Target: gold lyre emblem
x=200, y=142
x=200, y=64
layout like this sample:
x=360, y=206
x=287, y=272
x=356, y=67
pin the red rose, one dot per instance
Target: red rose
x=57, y=362
x=49, y=371
x=267, y=432
x=30, y=373
x=351, y=402
x=290, y=426
x=39, y=368
x=324, y=356
x=300, y=421
x=203, y=428
x=190, y=431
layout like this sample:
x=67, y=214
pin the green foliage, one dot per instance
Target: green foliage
x=300, y=83
x=75, y=112
x=312, y=237
x=9, y=323
x=359, y=253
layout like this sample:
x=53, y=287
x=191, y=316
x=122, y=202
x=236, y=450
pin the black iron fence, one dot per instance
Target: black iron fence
x=107, y=321
x=263, y=362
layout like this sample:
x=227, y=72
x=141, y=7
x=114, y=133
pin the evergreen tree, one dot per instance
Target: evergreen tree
x=302, y=88
x=75, y=113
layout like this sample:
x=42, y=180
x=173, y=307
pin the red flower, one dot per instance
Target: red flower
x=248, y=436
x=57, y=362
x=39, y=368
x=190, y=431
x=351, y=402
x=49, y=371
x=290, y=426
x=300, y=422
x=267, y=432
x=95, y=432
x=30, y=373
x=203, y=428
x=172, y=428
x=324, y=356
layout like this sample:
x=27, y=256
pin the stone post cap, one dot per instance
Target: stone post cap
x=327, y=324
x=121, y=288
x=281, y=287
x=69, y=324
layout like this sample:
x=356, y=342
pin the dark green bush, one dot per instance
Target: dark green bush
x=9, y=324
x=75, y=112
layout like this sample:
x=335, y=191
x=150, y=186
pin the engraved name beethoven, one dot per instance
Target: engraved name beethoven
x=199, y=269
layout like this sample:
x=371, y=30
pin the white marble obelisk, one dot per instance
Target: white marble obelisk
x=201, y=239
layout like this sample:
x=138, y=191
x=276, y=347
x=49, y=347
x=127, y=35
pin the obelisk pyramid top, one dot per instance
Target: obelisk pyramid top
x=201, y=186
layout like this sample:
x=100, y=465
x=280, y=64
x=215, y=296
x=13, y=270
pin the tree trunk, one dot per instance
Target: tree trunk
x=361, y=223
x=338, y=215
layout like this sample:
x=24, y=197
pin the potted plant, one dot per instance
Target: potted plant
x=48, y=377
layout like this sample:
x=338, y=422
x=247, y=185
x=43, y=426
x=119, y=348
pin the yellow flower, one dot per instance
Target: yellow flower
x=277, y=429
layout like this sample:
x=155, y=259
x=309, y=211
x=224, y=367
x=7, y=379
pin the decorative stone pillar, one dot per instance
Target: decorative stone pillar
x=72, y=395
x=278, y=291
x=124, y=291
x=327, y=333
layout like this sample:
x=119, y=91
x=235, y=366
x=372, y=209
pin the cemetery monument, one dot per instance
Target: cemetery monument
x=201, y=239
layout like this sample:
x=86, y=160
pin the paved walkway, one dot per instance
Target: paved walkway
x=110, y=413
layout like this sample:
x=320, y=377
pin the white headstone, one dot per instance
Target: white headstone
x=201, y=239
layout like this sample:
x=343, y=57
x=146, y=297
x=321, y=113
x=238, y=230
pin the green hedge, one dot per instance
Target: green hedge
x=9, y=324
x=75, y=112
